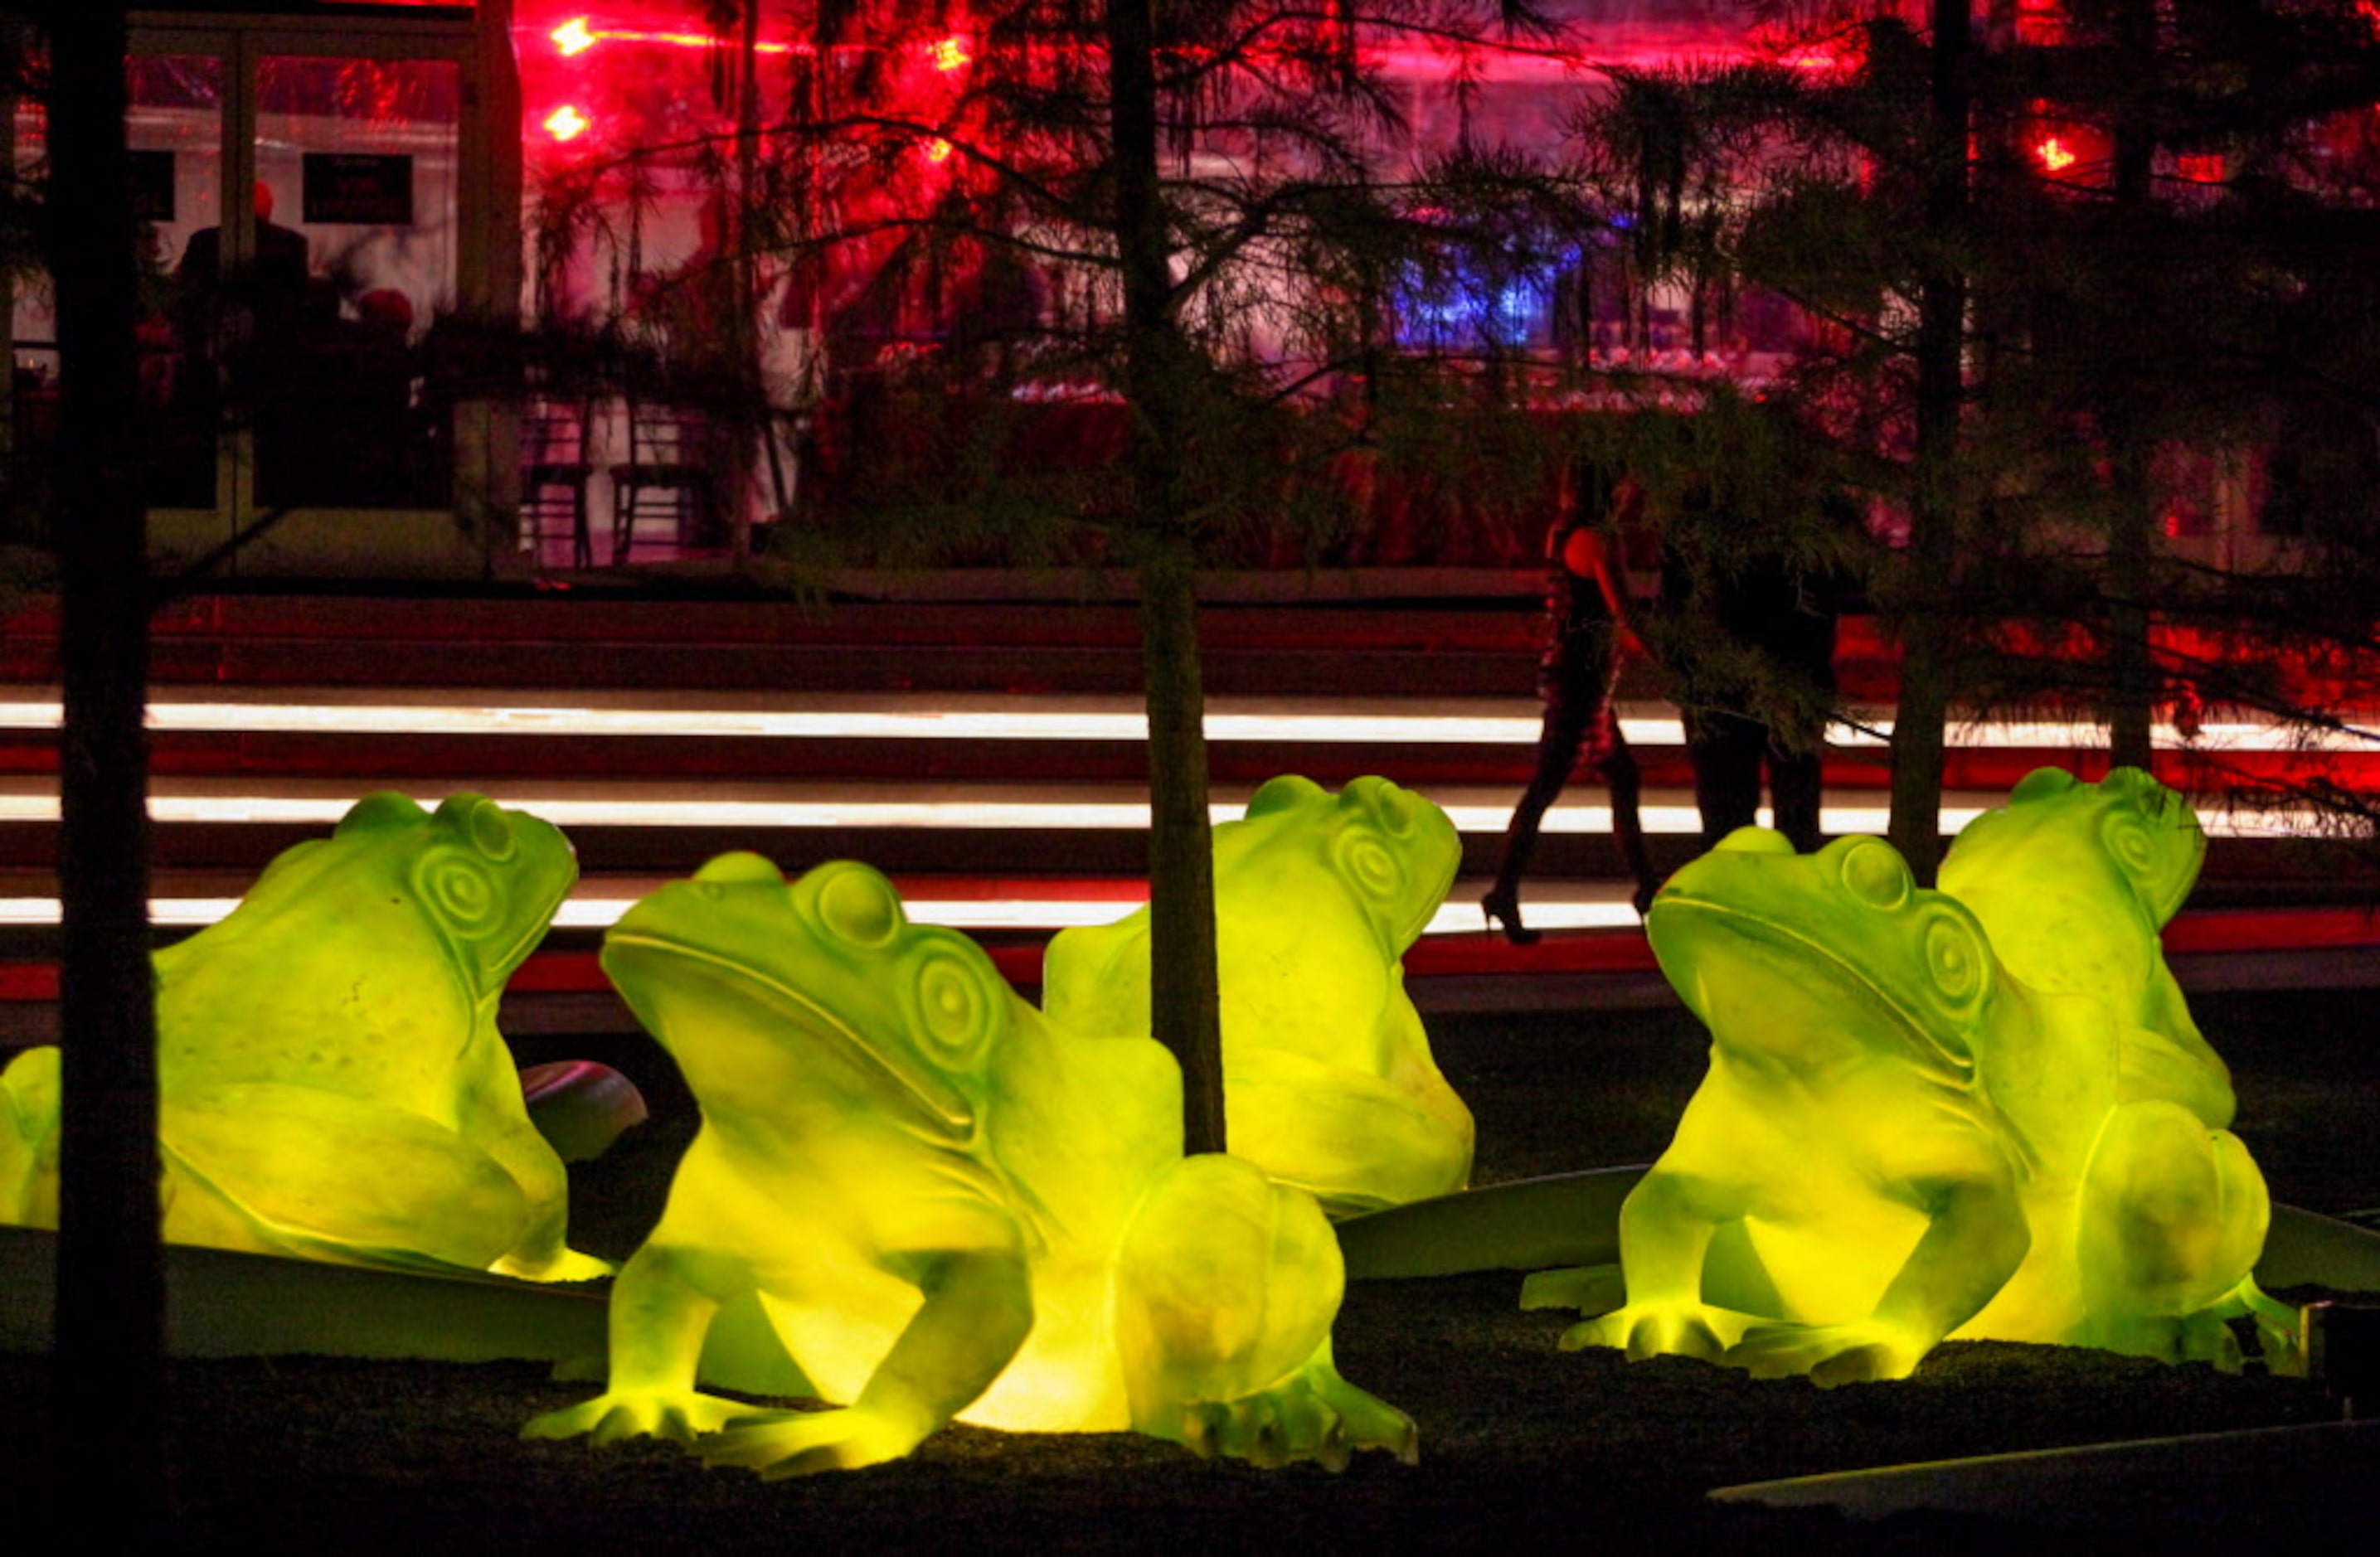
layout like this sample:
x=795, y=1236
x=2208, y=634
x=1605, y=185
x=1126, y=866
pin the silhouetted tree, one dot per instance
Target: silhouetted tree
x=109, y=1284
x=2046, y=269
x=1205, y=184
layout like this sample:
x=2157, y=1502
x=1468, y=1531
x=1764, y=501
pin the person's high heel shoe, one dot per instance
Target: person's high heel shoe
x=1501, y=908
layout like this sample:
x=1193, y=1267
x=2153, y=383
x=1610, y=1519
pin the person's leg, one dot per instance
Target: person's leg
x=1796, y=790
x=1558, y=741
x=1725, y=749
x=1623, y=782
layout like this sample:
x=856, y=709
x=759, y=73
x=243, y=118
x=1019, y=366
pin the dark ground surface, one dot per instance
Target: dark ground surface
x=1521, y=1444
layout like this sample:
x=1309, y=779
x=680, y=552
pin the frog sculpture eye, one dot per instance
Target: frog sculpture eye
x=2127, y=838
x=1367, y=861
x=858, y=907
x=1876, y=874
x=459, y=891
x=492, y=830
x=1957, y=960
x=953, y=1011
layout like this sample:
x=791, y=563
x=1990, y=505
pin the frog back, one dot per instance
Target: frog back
x=1081, y=1126
x=366, y=964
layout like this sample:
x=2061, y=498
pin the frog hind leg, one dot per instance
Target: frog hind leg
x=1353, y=1140
x=2169, y=1222
x=28, y=1138
x=288, y=1170
x=1226, y=1287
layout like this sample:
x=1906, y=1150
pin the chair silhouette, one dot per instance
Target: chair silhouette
x=669, y=463
x=554, y=473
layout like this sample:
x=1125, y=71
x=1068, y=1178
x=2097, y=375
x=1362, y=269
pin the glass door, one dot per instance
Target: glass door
x=195, y=329
x=355, y=221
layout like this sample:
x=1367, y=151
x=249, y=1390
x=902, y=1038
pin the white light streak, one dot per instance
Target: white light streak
x=1319, y=721
x=1555, y=909
x=989, y=814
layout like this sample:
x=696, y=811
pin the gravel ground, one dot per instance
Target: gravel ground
x=1520, y=1443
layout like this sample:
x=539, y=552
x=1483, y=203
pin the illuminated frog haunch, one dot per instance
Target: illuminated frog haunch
x=1329, y=1083
x=332, y=1080
x=947, y=1206
x=2072, y=882
x=1899, y=1141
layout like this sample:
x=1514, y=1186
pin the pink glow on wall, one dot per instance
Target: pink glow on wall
x=1645, y=41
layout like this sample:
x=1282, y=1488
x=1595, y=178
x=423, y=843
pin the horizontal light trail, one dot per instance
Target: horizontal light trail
x=1002, y=719
x=1552, y=908
x=991, y=814
x=1320, y=722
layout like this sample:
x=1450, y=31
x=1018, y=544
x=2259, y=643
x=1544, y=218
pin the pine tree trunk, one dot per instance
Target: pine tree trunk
x=2132, y=539
x=1182, y=999
x=1926, y=669
x=110, y=1280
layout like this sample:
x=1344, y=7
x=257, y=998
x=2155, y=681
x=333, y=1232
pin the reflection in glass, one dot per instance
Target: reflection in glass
x=356, y=159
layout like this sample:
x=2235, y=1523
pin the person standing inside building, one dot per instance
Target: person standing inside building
x=1588, y=643
x=1749, y=645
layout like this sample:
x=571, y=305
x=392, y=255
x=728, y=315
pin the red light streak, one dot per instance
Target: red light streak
x=1652, y=47
x=574, y=37
x=566, y=123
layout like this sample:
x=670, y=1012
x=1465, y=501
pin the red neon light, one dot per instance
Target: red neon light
x=574, y=37
x=566, y=123
x=951, y=53
x=2054, y=154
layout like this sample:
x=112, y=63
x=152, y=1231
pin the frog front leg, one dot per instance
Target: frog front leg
x=1665, y=1227
x=662, y=1306
x=1974, y=1239
x=978, y=1311
x=1227, y=1284
x=492, y=1115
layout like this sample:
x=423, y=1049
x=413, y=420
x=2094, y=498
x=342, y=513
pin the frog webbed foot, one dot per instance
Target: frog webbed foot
x=2210, y=1334
x=680, y=1416
x=1829, y=1354
x=1661, y=1329
x=1313, y=1415
x=784, y=1443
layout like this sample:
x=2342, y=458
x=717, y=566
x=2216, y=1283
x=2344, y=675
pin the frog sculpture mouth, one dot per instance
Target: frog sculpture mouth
x=1796, y=968
x=812, y=1020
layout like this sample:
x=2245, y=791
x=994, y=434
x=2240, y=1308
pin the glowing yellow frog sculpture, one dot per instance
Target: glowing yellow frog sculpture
x=2072, y=882
x=1328, y=1079
x=948, y=1206
x=1899, y=1141
x=332, y=1082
